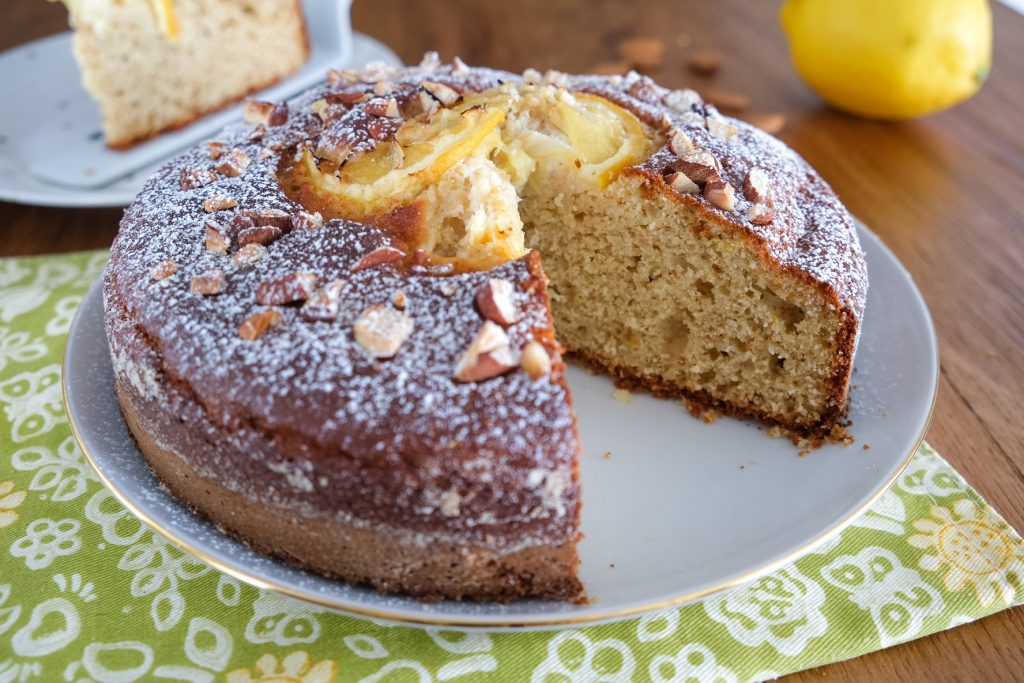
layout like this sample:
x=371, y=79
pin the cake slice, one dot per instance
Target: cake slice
x=155, y=65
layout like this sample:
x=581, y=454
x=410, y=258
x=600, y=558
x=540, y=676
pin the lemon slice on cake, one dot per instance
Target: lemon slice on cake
x=465, y=168
x=582, y=133
x=397, y=170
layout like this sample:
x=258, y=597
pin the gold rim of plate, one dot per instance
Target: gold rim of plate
x=484, y=622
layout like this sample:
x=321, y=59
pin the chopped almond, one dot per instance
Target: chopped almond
x=219, y=203
x=535, y=360
x=290, y=288
x=494, y=299
x=324, y=303
x=720, y=193
x=379, y=256
x=444, y=94
x=381, y=330
x=208, y=283
x=193, y=178
x=487, y=356
x=233, y=163
x=259, y=322
x=216, y=241
x=248, y=254
x=163, y=270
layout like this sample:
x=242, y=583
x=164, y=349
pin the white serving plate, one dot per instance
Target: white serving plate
x=52, y=152
x=680, y=510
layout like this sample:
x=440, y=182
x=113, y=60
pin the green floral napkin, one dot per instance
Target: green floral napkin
x=88, y=593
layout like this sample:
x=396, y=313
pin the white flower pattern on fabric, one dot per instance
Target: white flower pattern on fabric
x=8, y=613
x=782, y=610
x=65, y=312
x=282, y=621
x=16, y=300
x=888, y=514
x=927, y=475
x=422, y=674
x=208, y=644
x=574, y=657
x=157, y=569
x=122, y=662
x=33, y=402
x=118, y=526
x=53, y=625
x=895, y=596
x=365, y=646
x=19, y=347
x=45, y=540
x=974, y=551
x=694, y=663
x=10, y=500
x=476, y=644
x=77, y=585
x=657, y=626
x=64, y=473
x=12, y=271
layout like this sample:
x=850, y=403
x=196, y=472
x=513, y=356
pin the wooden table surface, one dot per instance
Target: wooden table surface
x=946, y=193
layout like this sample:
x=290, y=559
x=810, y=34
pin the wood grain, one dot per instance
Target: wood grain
x=945, y=192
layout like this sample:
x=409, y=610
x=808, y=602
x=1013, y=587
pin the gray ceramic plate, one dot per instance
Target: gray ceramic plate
x=679, y=510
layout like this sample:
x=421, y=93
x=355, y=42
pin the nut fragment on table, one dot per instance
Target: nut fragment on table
x=729, y=100
x=642, y=52
x=705, y=61
x=770, y=122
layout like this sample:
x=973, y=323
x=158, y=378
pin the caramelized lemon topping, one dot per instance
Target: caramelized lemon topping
x=449, y=183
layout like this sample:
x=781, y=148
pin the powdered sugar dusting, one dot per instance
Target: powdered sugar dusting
x=458, y=457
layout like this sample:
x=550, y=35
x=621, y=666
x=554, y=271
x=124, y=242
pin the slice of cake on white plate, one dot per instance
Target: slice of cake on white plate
x=155, y=65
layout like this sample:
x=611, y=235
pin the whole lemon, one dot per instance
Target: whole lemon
x=890, y=59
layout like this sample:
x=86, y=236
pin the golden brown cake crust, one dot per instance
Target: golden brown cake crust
x=376, y=557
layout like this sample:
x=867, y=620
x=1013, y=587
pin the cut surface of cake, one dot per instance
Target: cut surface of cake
x=155, y=65
x=334, y=332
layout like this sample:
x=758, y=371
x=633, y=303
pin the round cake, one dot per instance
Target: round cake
x=332, y=333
